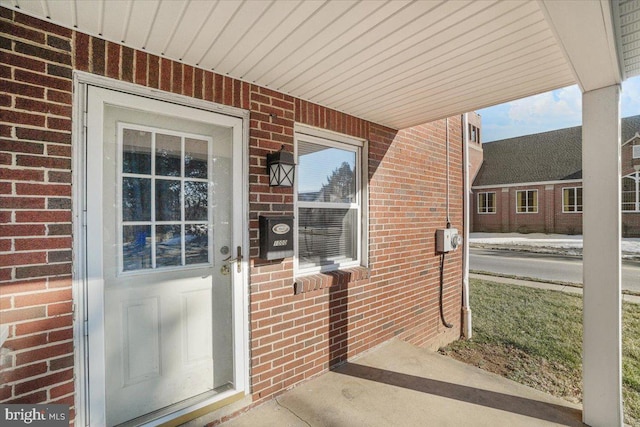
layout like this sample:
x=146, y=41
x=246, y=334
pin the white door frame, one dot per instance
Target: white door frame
x=80, y=264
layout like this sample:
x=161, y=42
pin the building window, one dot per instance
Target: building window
x=474, y=133
x=636, y=151
x=329, y=203
x=487, y=203
x=572, y=199
x=631, y=193
x=527, y=201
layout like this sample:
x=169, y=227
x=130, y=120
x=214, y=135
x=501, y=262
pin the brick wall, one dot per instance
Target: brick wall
x=294, y=336
x=35, y=211
x=549, y=219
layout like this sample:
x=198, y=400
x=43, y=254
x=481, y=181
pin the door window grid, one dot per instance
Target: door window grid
x=146, y=231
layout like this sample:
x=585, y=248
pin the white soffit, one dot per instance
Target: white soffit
x=399, y=62
x=628, y=23
x=585, y=30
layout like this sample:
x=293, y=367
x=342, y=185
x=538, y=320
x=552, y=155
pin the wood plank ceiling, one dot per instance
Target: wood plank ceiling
x=396, y=62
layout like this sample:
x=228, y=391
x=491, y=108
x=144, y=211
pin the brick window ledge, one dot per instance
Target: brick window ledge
x=336, y=278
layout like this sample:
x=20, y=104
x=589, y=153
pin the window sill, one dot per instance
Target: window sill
x=329, y=279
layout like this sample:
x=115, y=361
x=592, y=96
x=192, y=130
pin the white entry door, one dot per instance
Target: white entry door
x=164, y=243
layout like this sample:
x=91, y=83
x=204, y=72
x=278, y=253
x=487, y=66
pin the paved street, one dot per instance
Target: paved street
x=544, y=266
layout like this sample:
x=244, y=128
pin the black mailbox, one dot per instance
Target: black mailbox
x=276, y=237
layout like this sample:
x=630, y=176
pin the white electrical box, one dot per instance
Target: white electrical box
x=447, y=240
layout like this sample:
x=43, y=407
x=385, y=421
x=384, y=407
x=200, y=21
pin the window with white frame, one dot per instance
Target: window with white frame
x=527, y=201
x=572, y=199
x=487, y=203
x=329, y=203
x=636, y=151
x=631, y=192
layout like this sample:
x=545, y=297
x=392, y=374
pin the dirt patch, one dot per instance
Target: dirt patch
x=515, y=364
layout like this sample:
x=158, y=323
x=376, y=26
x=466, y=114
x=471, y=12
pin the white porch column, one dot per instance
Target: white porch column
x=602, y=347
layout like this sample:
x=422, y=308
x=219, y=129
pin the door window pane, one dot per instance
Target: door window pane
x=168, y=245
x=196, y=244
x=136, y=152
x=196, y=195
x=136, y=242
x=136, y=199
x=168, y=155
x=195, y=158
x=167, y=200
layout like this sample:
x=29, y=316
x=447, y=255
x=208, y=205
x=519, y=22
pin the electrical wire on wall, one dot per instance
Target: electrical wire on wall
x=444, y=320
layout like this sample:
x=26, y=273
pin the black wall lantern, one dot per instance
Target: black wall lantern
x=281, y=168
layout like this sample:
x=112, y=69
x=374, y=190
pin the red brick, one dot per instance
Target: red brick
x=23, y=372
x=43, y=25
x=59, y=150
x=21, y=89
x=18, y=315
x=18, y=146
x=42, y=80
x=25, y=258
x=23, y=286
x=22, y=61
x=40, y=326
x=42, y=189
x=81, y=59
x=5, y=391
x=29, y=341
x=165, y=74
x=42, y=243
x=176, y=81
x=187, y=88
x=42, y=298
x=61, y=363
x=98, y=56
x=43, y=162
x=20, y=117
x=61, y=335
x=127, y=64
x=154, y=71
x=33, y=398
x=61, y=390
x=22, y=230
x=59, y=177
x=43, y=135
x=42, y=382
x=42, y=270
x=113, y=60
x=141, y=67
x=60, y=308
x=21, y=174
x=38, y=106
x=22, y=202
x=58, y=96
x=59, y=124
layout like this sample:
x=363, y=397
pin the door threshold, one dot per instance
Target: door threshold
x=189, y=409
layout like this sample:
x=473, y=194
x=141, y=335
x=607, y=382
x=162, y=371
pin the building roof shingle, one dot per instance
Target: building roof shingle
x=548, y=156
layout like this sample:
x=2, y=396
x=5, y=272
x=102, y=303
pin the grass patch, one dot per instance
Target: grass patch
x=534, y=337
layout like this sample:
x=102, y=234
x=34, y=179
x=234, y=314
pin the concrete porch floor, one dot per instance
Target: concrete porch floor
x=398, y=384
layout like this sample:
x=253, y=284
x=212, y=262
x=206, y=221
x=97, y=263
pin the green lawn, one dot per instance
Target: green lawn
x=535, y=337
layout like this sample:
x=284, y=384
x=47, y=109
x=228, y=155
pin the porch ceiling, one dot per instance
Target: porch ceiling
x=399, y=63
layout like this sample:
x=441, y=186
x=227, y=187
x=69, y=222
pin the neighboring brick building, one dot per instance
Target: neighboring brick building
x=66, y=253
x=533, y=183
